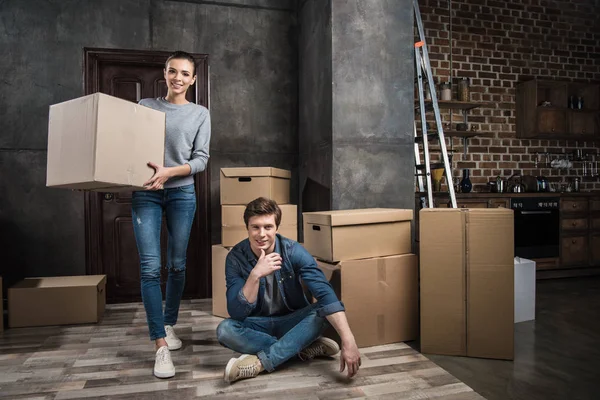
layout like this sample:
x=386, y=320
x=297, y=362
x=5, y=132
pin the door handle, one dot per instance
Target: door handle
x=108, y=196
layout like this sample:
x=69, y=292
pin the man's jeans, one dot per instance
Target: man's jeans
x=273, y=339
x=147, y=209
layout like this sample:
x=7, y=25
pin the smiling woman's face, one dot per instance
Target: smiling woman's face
x=179, y=75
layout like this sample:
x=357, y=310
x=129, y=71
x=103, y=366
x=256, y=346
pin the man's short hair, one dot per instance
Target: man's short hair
x=262, y=206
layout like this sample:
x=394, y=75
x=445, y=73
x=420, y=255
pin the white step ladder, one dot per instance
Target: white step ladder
x=423, y=68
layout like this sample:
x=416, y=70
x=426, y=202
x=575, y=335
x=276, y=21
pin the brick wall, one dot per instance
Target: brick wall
x=498, y=44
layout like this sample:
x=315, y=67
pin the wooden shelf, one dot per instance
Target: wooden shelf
x=574, y=110
x=467, y=134
x=584, y=111
x=451, y=104
x=463, y=134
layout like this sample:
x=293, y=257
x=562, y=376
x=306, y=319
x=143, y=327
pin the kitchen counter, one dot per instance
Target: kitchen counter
x=578, y=223
x=480, y=195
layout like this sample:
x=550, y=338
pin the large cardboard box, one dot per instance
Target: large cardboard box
x=242, y=185
x=380, y=296
x=59, y=300
x=355, y=234
x=467, y=282
x=219, y=301
x=100, y=142
x=524, y=289
x=233, y=228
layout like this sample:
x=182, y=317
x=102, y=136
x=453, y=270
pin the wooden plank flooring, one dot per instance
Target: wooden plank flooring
x=114, y=360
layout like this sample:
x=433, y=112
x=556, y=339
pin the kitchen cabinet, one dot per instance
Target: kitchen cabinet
x=574, y=232
x=500, y=202
x=580, y=224
x=543, y=110
x=462, y=203
x=594, y=237
x=574, y=250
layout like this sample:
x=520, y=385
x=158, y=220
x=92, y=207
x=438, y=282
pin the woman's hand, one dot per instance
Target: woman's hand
x=161, y=175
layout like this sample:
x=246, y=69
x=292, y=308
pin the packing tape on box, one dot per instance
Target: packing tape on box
x=381, y=273
x=382, y=280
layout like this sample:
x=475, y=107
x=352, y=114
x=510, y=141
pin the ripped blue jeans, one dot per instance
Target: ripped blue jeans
x=147, y=207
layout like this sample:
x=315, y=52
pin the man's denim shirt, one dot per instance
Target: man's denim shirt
x=297, y=265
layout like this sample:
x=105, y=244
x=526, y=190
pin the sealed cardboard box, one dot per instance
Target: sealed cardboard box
x=355, y=234
x=62, y=300
x=242, y=185
x=380, y=296
x=467, y=282
x=233, y=228
x=100, y=142
x=524, y=289
x=219, y=254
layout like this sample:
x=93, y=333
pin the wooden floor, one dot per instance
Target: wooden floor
x=557, y=356
x=114, y=359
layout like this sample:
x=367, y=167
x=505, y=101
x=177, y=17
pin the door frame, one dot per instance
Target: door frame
x=92, y=58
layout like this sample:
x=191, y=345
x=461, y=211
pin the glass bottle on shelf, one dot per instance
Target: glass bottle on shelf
x=446, y=91
x=464, y=90
x=465, y=184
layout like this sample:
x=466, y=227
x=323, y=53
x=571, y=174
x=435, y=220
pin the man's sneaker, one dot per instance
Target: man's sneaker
x=322, y=347
x=172, y=340
x=245, y=366
x=163, y=366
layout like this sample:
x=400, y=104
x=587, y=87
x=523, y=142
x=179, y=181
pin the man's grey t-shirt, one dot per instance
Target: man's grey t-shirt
x=187, y=137
x=272, y=304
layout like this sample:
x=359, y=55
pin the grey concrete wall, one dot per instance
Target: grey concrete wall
x=373, y=145
x=253, y=71
x=315, y=105
x=356, y=103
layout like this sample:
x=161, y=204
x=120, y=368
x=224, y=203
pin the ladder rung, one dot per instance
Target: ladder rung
x=432, y=166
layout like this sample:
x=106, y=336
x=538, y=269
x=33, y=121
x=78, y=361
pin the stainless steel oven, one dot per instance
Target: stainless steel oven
x=537, y=226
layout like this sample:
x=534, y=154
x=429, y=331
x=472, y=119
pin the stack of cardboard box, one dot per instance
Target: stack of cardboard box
x=366, y=255
x=239, y=186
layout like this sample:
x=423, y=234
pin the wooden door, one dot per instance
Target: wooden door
x=110, y=242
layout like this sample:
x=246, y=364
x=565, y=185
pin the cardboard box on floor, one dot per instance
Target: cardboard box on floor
x=467, y=279
x=233, y=228
x=100, y=142
x=354, y=234
x=380, y=296
x=62, y=300
x=239, y=186
x=219, y=301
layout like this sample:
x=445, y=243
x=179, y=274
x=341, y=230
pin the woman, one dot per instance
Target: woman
x=170, y=190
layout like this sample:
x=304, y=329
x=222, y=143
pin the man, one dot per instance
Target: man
x=271, y=319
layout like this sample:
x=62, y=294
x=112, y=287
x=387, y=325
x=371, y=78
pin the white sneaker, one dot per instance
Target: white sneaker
x=163, y=365
x=172, y=340
x=245, y=366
